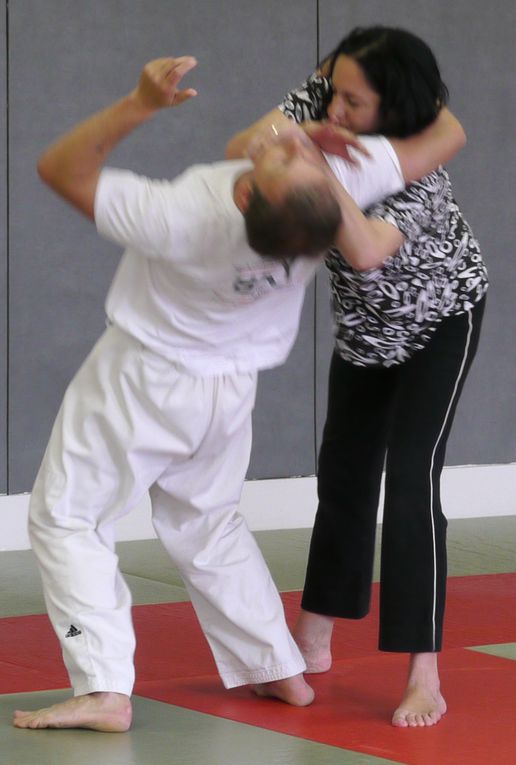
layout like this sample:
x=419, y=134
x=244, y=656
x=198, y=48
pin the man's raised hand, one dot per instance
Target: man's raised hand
x=158, y=87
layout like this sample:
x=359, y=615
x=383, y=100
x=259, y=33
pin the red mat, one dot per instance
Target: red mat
x=354, y=701
x=354, y=704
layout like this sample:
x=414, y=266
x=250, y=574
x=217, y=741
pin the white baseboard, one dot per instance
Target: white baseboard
x=468, y=491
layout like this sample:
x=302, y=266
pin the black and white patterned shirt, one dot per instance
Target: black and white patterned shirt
x=385, y=314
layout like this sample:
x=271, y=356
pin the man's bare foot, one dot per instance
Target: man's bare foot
x=292, y=690
x=312, y=634
x=110, y=712
x=423, y=704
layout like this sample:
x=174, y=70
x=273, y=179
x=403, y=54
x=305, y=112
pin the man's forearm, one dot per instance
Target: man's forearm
x=71, y=166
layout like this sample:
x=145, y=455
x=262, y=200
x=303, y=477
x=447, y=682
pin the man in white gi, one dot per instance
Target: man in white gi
x=163, y=402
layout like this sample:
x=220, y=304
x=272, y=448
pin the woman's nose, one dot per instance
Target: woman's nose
x=336, y=110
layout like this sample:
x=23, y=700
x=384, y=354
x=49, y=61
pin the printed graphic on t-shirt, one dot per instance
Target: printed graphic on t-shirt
x=251, y=284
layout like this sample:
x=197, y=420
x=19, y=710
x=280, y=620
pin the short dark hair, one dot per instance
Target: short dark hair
x=404, y=72
x=305, y=222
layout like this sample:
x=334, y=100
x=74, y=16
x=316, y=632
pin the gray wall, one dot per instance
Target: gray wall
x=66, y=59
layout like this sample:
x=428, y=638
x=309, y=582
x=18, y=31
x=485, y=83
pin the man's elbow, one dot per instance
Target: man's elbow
x=51, y=173
x=46, y=170
x=79, y=195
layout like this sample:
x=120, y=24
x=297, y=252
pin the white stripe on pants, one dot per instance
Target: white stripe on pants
x=131, y=420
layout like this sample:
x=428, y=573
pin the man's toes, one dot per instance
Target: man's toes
x=414, y=720
x=400, y=721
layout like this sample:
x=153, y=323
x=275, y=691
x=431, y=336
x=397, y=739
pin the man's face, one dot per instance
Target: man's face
x=284, y=161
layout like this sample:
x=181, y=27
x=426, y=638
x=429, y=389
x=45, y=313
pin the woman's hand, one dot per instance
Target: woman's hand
x=334, y=139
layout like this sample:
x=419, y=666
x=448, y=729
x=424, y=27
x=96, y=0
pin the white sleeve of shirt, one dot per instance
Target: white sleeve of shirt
x=375, y=178
x=156, y=218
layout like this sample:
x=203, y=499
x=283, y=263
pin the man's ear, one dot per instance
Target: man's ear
x=243, y=193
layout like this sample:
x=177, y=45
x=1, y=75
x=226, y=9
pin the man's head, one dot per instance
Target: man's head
x=290, y=209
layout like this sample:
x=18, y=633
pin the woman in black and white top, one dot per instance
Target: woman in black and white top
x=408, y=291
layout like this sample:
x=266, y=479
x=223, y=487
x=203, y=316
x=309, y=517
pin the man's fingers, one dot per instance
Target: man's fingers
x=159, y=83
x=178, y=67
x=170, y=70
x=168, y=62
x=184, y=95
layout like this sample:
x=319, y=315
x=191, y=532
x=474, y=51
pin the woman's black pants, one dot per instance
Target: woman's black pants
x=400, y=417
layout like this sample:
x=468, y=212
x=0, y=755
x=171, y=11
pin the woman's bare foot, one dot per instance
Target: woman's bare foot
x=292, y=690
x=312, y=634
x=423, y=704
x=110, y=712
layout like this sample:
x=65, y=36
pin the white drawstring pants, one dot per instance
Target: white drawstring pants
x=131, y=421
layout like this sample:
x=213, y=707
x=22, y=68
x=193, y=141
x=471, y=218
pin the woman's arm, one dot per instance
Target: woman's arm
x=337, y=141
x=237, y=146
x=364, y=242
x=307, y=102
x=422, y=153
x=418, y=154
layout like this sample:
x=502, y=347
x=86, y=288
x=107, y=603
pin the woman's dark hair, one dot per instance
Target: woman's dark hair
x=402, y=69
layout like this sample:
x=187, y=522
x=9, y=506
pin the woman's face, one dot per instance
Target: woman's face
x=355, y=105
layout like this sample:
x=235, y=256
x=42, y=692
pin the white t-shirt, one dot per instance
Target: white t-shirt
x=375, y=177
x=188, y=286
